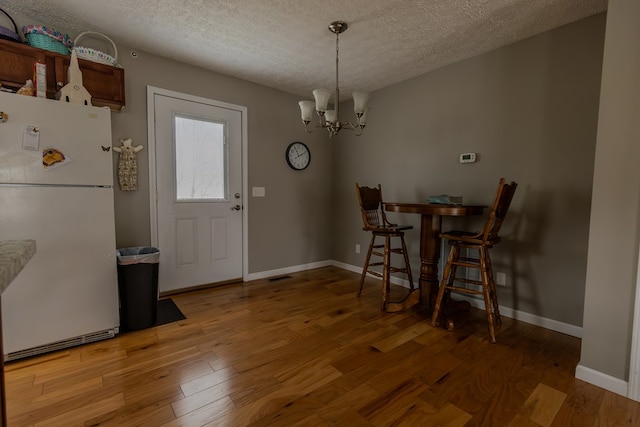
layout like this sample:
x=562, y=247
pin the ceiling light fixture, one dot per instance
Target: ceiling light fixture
x=330, y=119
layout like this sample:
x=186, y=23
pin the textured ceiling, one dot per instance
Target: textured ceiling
x=285, y=44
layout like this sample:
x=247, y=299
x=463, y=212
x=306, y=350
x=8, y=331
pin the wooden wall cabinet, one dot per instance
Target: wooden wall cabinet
x=104, y=82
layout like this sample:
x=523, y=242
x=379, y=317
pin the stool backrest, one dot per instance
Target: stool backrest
x=371, y=207
x=499, y=210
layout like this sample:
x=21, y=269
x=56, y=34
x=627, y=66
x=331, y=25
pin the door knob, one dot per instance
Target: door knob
x=236, y=208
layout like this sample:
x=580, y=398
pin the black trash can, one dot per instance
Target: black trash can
x=138, y=287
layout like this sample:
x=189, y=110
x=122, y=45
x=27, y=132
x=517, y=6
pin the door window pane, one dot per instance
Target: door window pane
x=200, y=155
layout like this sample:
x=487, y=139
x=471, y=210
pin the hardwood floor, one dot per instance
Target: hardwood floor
x=304, y=351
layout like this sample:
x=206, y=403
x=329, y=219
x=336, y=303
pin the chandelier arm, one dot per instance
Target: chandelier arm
x=306, y=126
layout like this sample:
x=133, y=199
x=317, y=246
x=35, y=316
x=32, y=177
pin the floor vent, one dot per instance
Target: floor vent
x=275, y=279
x=59, y=345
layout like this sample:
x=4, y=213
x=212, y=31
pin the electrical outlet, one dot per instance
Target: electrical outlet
x=501, y=279
x=357, y=248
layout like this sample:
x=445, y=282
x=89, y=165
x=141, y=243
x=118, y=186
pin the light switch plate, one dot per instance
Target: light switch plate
x=258, y=191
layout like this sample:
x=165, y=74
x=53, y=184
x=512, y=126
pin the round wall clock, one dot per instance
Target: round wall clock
x=298, y=156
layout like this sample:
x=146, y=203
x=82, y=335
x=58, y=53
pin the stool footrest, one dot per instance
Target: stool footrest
x=464, y=290
x=465, y=264
x=471, y=281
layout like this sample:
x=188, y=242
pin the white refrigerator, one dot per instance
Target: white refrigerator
x=56, y=187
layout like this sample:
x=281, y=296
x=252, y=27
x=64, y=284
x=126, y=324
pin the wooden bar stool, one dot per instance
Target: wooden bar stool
x=482, y=242
x=375, y=221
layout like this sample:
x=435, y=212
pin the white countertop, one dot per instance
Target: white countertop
x=14, y=255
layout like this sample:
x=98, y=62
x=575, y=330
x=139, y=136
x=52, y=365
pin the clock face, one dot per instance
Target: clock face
x=298, y=155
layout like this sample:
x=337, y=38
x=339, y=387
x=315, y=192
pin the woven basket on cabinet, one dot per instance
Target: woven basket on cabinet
x=95, y=55
x=47, y=38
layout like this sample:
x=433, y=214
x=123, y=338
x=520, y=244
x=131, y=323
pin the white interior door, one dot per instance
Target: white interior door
x=198, y=199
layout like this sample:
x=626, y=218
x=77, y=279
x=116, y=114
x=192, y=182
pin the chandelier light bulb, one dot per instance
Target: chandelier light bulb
x=360, y=102
x=322, y=97
x=330, y=116
x=306, y=110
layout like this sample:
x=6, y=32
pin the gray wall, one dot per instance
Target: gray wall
x=281, y=233
x=291, y=225
x=613, y=240
x=530, y=111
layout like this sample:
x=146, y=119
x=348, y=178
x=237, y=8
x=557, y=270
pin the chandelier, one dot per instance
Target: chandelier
x=330, y=119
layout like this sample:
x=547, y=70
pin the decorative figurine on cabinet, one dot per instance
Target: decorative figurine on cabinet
x=74, y=92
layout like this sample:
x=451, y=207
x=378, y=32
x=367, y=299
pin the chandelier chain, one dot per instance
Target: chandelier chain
x=337, y=98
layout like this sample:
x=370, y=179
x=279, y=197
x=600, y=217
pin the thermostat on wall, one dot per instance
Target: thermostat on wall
x=468, y=158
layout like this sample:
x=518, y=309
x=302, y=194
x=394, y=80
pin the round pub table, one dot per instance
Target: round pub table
x=430, y=228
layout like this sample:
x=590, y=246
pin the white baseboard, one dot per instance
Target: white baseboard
x=532, y=319
x=394, y=280
x=604, y=381
x=288, y=270
x=311, y=266
x=346, y=266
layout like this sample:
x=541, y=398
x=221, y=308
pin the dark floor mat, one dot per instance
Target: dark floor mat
x=168, y=312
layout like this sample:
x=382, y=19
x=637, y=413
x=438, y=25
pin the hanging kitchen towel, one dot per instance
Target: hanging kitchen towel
x=128, y=165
